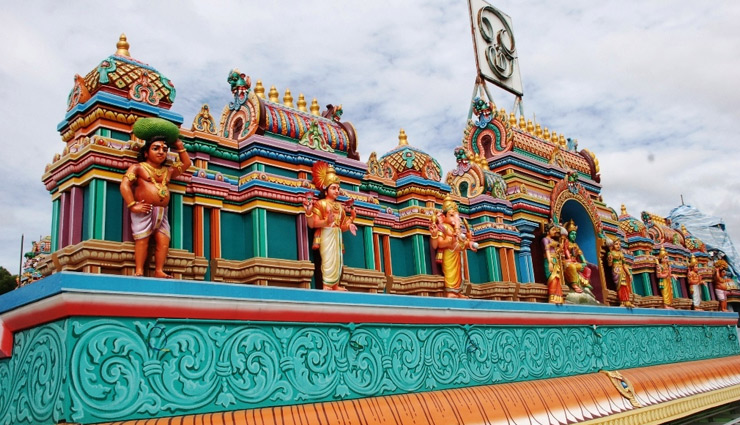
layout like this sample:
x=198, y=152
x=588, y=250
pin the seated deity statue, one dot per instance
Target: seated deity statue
x=576, y=271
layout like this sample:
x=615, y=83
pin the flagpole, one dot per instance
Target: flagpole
x=20, y=263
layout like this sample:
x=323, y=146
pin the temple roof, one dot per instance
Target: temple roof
x=121, y=74
x=408, y=160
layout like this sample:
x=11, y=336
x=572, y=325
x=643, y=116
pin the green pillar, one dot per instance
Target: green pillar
x=367, y=233
x=259, y=229
x=420, y=265
x=646, y=284
x=705, y=296
x=176, y=223
x=95, y=206
x=493, y=264
x=55, y=225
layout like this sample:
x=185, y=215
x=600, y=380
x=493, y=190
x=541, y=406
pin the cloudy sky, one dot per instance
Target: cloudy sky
x=651, y=88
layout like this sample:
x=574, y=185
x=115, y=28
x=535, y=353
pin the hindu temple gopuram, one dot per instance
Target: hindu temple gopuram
x=502, y=291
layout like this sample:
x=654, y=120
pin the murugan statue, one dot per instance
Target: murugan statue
x=145, y=192
x=330, y=217
x=448, y=237
x=621, y=274
x=720, y=280
x=553, y=263
x=695, y=283
x=665, y=277
x=577, y=273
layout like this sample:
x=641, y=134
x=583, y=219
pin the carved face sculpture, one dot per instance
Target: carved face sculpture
x=332, y=192
x=157, y=152
x=617, y=245
x=452, y=217
x=572, y=236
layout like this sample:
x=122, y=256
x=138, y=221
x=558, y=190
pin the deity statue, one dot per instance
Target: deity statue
x=145, y=192
x=330, y=218
x=577, y=273
x=621, y=274
x=450, y=239
x=553, y=263
x=695, y=282
x=720, y=280
x=665, y=282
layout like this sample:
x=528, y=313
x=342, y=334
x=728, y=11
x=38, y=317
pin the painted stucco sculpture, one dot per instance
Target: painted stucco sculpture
x=330, y=218
x=553, y=263
x=118, y=348
x=721, y=281
x=575, y=267
x=664, y=273
x=146, y=194
x=450, y=237
x=621, y=273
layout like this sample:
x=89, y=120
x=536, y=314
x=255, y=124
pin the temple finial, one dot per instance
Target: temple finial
x=402, y=139
x=122, y=46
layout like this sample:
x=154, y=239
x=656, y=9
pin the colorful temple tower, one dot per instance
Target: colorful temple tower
x=237, y=216
x=241, y=333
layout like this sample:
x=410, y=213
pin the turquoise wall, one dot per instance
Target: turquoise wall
x=89, y=370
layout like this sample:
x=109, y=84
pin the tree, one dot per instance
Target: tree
x=7, y=281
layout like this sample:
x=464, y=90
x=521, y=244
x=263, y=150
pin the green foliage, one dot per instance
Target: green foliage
x=7, y=281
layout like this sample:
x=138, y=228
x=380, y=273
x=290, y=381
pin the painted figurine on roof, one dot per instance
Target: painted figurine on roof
x=665, y=277
x=577, y=273
x=330, y=218
x=451, y=235
x=621, y=274
x=553, y=263
x=145, y=192
x=721, y=281
x=696, y=285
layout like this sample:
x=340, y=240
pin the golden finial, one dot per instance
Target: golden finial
x=562, y=140
x=546, y=134
x=530, y=126
x=315, y=107
x=502, y=113
x=301, y=103
x=122, y=46
x=273, y=94
x=624, y=210
x=538, y=131
x=259, y=89
x=512, y=119
x=402, y=139
x=522, y=122
x=288, y=99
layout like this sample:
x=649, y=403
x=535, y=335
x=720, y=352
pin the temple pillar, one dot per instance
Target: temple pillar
x=95, y=209
x=176, y=223
x=74, y=216
x=368, y=240
x=525, y=258
x=494, y=265
x=302, y=237
x=215, y=233
x=420, y=266
x=376, y=252
x=259, y=230
x=198, y=241
x=55, y=207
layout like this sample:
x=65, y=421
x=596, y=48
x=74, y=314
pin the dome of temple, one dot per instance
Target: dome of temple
x=407, y=160
x=630, y=225
x=122, y=75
